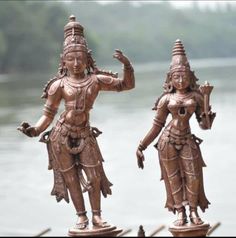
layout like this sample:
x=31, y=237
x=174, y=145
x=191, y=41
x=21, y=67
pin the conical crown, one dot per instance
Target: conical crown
x=179, y=59
x=74, y=36
x=73, y=27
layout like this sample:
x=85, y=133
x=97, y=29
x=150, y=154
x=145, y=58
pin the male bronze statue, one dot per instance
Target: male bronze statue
x=72, y=147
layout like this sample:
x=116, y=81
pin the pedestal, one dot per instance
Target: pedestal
x=111, y=231
x=190, y=230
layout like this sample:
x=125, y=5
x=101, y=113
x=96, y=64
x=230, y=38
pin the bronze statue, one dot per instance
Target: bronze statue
x=179, y=152
x=72, y=147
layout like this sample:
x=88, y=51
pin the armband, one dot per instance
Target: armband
x=49, y=112
x=128, y=67
x=158, y=122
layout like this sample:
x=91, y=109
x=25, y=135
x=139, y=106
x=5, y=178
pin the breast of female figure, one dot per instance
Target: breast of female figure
x=181, y=111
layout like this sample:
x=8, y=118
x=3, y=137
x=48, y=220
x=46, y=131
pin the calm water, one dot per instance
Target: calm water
x=138, y=195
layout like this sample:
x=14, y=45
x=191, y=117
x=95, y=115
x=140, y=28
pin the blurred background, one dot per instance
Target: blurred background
x=31, y=38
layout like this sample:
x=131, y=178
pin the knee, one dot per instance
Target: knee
x=95, y=180
x=70, y=176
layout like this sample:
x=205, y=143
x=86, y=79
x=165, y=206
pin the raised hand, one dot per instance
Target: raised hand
x=27, y=129
x=209, y=116
x=206, y=88
x=122, y=58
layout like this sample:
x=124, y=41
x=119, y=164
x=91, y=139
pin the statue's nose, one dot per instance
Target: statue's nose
x=76, y=62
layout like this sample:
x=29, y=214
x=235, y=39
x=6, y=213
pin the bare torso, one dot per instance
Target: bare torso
x=79, y=98
x=181, y=108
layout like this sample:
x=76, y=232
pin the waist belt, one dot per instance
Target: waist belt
x=74, y=131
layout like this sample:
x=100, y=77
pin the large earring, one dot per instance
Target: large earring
x=169, y=87
x=193, y=81
x=62, y=70
x=88, y=65
x=192, y=86
x=66, y=72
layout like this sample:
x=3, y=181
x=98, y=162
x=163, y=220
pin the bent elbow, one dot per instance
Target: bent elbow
x=131, y=86
x=128, y=85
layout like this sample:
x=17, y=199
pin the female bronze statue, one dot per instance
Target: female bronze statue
x=73, y=151
x=179, y=153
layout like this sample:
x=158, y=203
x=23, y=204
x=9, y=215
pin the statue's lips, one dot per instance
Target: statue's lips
x=76, y=68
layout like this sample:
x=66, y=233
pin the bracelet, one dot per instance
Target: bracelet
x=141, y=146
x=37, y=131
x=128, y=67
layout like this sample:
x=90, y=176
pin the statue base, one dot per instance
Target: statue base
x=190, y=230
x=110, y=231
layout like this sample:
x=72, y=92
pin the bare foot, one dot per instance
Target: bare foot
x=194, y=217
x=181, y=218
x=82, y=223
x=98, y=222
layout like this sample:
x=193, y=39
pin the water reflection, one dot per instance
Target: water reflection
x=138, y=196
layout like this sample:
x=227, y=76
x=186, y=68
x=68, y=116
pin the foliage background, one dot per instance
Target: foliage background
x=31, y=32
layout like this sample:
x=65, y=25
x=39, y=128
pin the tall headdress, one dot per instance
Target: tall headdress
x=179, y=59
x=74, y=36
x=179, y=62
x=74, y=39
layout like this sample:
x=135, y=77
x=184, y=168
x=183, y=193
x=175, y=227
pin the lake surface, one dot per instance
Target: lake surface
x=138, y=195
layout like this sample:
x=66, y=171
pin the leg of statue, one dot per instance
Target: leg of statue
x=194, y=217
x=191, y=171
x=95, y=197
x=70, y=175
x=170, y=160
x=181, y=217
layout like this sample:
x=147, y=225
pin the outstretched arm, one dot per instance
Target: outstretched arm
x=109, y=83
x=50, y=110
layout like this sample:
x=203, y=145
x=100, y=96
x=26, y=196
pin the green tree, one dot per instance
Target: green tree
x=31, y=35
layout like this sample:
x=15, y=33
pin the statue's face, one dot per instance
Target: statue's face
x=180, y=80
x=75, y=62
